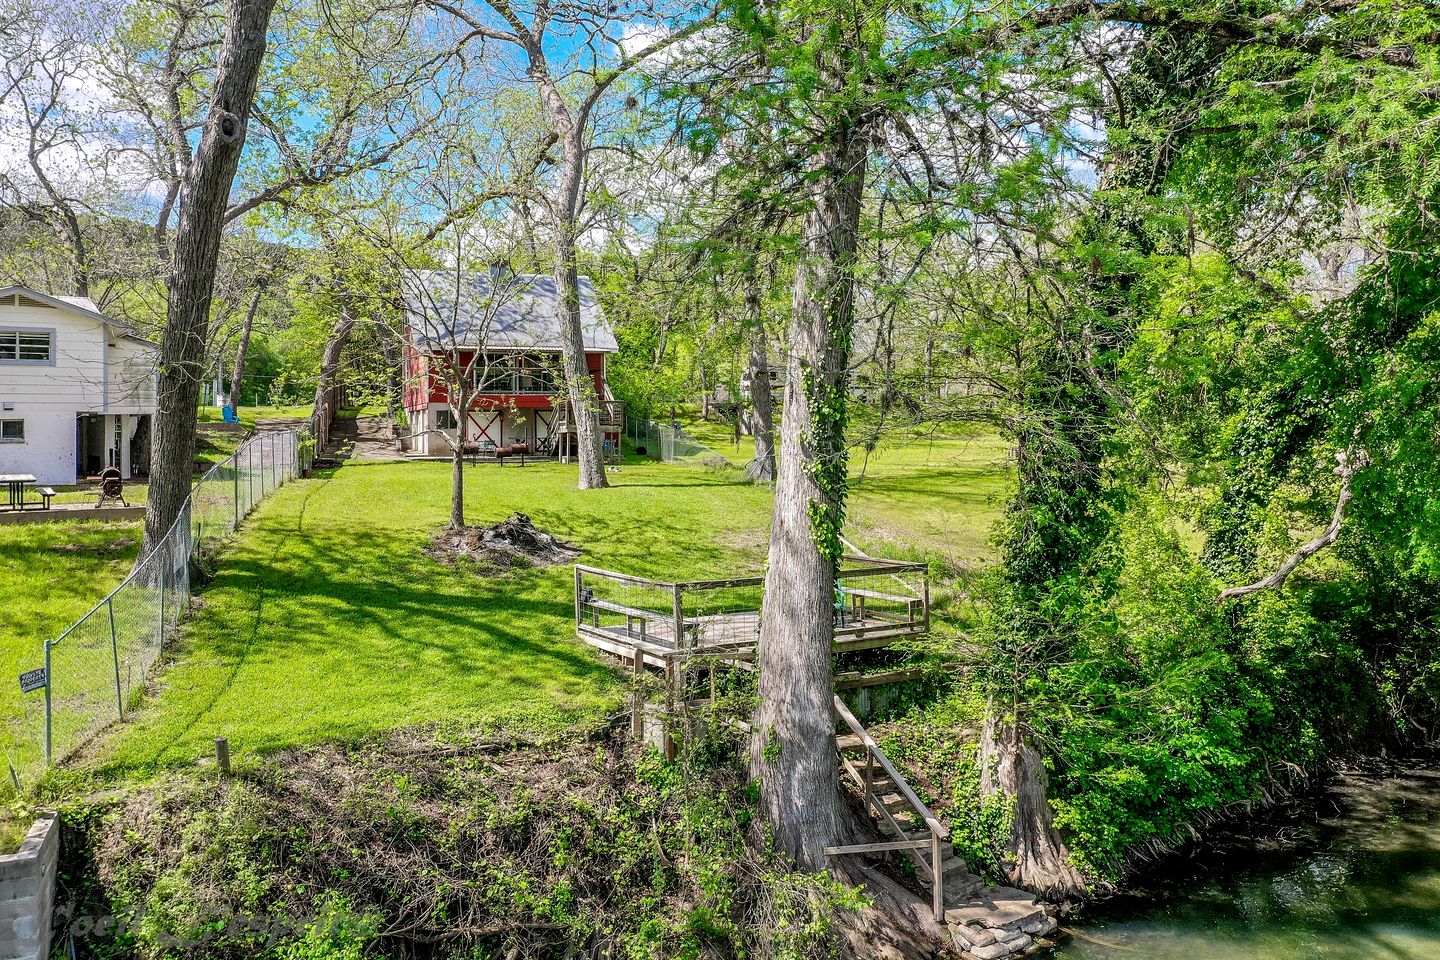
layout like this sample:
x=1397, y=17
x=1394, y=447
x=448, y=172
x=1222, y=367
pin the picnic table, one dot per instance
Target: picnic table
x=15, y=483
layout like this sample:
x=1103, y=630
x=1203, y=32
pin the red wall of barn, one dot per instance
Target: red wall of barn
x=419, y=378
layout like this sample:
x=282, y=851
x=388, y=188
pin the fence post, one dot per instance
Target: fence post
x=578, y=612
x=937, y=878
x=235, y=477
x=49, y=726
x=115, y=658
x=166, y=570
x=679, y=602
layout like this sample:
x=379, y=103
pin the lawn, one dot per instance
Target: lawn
x=248, y=415
x=327, y=620
x=53, y=574
x=917, y=498
x=914, y=496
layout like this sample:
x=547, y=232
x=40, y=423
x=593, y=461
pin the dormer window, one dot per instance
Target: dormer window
x=27, y=346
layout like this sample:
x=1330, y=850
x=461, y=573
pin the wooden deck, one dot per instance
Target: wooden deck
x=662, y=621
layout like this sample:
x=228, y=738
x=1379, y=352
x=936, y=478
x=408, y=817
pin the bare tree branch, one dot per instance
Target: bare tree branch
x=1351, y=461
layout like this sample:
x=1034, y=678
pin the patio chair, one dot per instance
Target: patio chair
x=112, y=488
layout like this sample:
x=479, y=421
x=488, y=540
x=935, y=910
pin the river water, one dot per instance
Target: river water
x=1353, y=874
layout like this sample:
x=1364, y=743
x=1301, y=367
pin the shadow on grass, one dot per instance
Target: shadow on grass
x=327, y=620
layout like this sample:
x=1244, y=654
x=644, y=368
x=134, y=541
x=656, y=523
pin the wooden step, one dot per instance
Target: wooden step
x=898, y=806
x=849, y=741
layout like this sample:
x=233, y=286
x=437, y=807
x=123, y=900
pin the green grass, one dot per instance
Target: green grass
x=720, y=437
x=930, y=497
x=248, y=415
x=53, y=574
x=916, y=497
x=326, y=620
x=135, y=493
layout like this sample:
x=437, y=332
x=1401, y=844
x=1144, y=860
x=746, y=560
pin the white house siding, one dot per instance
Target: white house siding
x=131, y=386
x=48, y=397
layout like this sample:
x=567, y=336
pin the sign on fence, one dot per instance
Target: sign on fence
x=32, y=680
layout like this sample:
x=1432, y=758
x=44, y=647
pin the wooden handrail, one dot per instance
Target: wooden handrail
x=936, y=827
x=880, y=567
x=624, y=577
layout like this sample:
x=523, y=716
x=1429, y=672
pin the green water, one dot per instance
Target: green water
x=1354, y=875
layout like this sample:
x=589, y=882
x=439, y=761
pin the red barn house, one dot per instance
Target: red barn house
x=510, y=319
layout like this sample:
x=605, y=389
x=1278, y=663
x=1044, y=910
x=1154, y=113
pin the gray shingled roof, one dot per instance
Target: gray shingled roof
x=519, y=309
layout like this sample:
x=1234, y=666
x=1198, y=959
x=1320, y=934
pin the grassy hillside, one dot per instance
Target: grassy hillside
x=327, y=619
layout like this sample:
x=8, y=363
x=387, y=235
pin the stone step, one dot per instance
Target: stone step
x=899, y=807
x=999, y=908
x=1012, y=944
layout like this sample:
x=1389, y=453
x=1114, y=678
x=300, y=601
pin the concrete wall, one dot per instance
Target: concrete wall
x=27, y=893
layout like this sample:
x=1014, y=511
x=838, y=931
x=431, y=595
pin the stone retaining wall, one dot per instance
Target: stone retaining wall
x=27, y=892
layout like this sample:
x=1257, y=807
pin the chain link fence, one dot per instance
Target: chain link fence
x=95, y=670
x=667, y=442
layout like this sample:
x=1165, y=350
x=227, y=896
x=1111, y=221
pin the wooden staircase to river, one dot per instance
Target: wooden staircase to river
x=688, y=629
x=985, y=922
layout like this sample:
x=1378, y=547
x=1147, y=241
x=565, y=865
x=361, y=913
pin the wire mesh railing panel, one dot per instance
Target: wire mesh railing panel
x=97, y=669
x=872, y=598
x=723, y=614
x=630, y=608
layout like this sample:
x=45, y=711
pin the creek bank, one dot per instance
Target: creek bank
x=1349, y=870
x=443, y=844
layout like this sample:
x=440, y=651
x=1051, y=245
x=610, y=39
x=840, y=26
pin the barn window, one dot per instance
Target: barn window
x=27, y=346
x=12, y=431
x=445, y=419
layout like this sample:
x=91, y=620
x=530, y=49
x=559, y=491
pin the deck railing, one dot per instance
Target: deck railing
x=875, y=602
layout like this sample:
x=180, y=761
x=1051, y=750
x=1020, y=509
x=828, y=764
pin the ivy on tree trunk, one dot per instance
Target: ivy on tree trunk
x=793, y=746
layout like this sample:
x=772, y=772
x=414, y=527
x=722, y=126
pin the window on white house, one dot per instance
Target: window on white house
x=12, y=431
x=26, y=346
x=445, y=419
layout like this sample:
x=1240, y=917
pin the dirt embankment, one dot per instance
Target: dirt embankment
x=435, y=845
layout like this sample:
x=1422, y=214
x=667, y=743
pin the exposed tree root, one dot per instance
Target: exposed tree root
x=1012, y=769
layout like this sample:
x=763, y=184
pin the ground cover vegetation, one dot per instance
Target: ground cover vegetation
x=1179, y=258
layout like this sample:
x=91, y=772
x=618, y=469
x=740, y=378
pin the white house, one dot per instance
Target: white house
x=77, y=389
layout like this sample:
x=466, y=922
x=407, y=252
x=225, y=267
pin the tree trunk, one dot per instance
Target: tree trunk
x=457, y=458
x=762, y=404
x=206, y=191
x=793, y=743
x=323, y=414
x=242, y=350
x=580, y=386
x=1011, y=769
